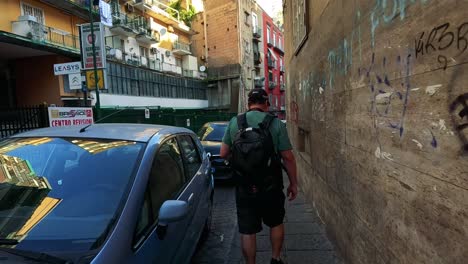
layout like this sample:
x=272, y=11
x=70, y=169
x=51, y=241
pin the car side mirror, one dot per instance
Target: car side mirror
x=172, y=211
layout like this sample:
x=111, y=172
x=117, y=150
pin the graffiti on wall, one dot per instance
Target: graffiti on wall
x=441, y=38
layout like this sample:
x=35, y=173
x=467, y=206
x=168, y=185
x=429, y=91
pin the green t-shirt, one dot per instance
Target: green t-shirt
x=277, y=129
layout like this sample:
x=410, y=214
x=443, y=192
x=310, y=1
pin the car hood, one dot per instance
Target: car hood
x=213, y=147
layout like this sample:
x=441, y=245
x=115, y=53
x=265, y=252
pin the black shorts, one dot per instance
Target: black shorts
x=252, y=209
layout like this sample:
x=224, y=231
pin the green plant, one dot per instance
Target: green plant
x=186, y=15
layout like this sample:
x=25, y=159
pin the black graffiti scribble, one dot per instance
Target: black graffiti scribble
x=441, y=38
x=462, y=101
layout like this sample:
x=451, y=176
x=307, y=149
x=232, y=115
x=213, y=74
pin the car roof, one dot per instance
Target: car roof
x=130, y=132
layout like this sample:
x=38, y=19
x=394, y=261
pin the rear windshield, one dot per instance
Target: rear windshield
x=62, y=194
x=212, y=132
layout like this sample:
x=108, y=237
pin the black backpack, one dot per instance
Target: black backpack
x=254, y=158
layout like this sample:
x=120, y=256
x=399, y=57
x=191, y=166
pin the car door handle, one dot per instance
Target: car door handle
x=190, y=199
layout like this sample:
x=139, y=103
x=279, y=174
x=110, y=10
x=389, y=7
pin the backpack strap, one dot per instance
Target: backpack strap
x=242, y=121
x=265, y=124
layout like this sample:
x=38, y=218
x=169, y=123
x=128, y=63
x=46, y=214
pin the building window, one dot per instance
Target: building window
x=28, y=10
x=299, y=25
x=274, y=38
x=246, y=18
x=254, y=22
x=144, y=52
x=270, y=76
x=268, y=34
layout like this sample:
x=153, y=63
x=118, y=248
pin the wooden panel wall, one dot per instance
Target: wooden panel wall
x=378, y=114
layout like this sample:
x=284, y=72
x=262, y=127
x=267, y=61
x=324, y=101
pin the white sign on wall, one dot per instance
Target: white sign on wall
x=67, y=68
x=74, y=81
x=70, y=116
x=87, y=46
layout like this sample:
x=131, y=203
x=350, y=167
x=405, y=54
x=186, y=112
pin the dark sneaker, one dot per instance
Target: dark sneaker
x=276, y=261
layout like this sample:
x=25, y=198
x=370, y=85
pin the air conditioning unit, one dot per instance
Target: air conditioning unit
x=118, y=54
x=153, y=50
x=130, y=7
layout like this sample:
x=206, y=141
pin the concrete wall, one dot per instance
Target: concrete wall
x=36, y=85
x=377, y=112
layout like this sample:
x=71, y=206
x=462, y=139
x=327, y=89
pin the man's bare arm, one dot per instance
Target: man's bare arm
x=225, y=151
x=290, y=164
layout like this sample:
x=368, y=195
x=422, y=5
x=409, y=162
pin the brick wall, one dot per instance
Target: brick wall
x=377, y=112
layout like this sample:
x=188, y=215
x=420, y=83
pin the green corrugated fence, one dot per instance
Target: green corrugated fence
x=189, y=118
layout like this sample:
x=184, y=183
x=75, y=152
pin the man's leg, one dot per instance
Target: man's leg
x=249, y=247
x=277, y=238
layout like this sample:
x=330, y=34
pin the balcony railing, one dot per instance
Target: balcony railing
x=271, y=63
x=181, y=48
x=40, y=33
x=257, y=57
x=270, y=42
x=257, y=33
x=272, y=85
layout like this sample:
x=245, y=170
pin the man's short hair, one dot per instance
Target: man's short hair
x=258, y=96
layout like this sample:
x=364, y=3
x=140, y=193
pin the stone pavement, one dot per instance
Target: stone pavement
x=305, y=239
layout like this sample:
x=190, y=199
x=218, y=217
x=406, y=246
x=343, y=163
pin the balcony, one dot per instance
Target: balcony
x=282, y=69
x=144, y=33
x=123, y=25
x=79, y=8
x=257, y=34
x=180, y=48
x=257, y=58
x=171, y=68
x=272, y=85
x=279, y=48
x=271, y=63
x=45, y=35
x=163, y=12
x=270, y=42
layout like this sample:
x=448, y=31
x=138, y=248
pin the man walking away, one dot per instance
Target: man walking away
x=256, y=142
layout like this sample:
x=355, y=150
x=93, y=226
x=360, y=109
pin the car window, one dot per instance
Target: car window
x=165, y=183
x=201, y=149
x=191, y=157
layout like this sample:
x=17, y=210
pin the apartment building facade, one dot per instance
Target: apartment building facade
x=149, y=58
x=274, y=64
x=229, y=47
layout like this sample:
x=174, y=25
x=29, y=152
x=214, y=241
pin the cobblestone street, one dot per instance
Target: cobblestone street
x=305, y=241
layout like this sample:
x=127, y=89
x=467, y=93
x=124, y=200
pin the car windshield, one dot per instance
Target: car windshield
x=63, y=194
x=212, y=132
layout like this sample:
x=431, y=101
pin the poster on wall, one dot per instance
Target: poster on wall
x=87, y=46
x=70, y=116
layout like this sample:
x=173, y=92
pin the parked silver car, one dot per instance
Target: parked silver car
x=109, y=193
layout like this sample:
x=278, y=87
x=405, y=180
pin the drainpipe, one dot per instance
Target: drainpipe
x=205, y=32
x=239, y=28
